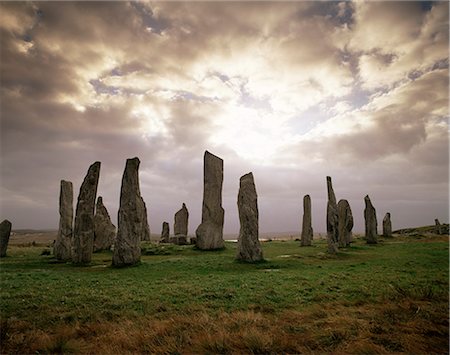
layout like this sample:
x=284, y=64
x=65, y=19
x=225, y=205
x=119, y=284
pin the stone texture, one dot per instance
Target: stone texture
x=307, y=230
x=5, y=232
x=345, y=223
x=210, y=232
x=438, y=226
x=83, y=233
x=132, y=218
x=104, y=230
x=180, y=226
x=370, y=216
x=387, y=226
x=63, y=242
x=248, y=248
x=332, y=219
x=165, y=233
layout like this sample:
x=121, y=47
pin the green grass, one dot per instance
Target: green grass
x=174, y=280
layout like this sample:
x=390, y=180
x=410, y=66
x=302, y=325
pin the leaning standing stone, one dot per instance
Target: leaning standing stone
x=104, y=230
x=387, y=226
x=332, y=219
x=180, y=227
x=83, y=234
x=345, y=223
x=5, y=231
x=63, y=243
x=370, y=216
x=132, y=218
x=249, y=248
x=210, y=232
x=307, y=230
x=165, y=233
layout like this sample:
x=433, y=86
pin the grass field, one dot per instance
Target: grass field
x=390, y=297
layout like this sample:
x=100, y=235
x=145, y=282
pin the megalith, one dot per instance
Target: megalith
x=307, y=230
x=63, y=242
x=210, y=232
x=345, y=223
x=5, y=232
x=332, y=219
x=370, y=216
x=132, y=218
x=387, y=225
x=180, y=226
x=165, y=233
x=83, y=233
x=104, y=230
x=438, y=228
x=248, y=248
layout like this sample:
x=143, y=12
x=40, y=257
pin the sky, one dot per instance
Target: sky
x=292, y=91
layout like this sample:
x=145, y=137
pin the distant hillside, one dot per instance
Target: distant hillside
x=425, y=229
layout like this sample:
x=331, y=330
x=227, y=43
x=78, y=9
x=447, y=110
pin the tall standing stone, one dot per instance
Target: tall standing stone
x=165, y=233
x=5, y=232
x=63, y=243
x=249, y=248
x=307, y=230
x=332, y=219
x=438, y=227
x=132, y=218
x=210, y=232
x=370, y=216
x=345, y=223
x=83, y=234
x=387, y=225
x=104, y=230
x=180, y=227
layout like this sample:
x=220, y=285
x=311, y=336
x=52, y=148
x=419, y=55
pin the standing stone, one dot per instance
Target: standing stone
x=307, y=230
x=132, y=218
x=438, y=227
x=332, y=219
x=83, y=234
x=5, y=231
x=104, y=230
x=210, y=232
x=387, y=226
x=165, y=234
x=63, y=243
x=248, y=248
x=180, y=226
x=370, y=216
x=345, y=223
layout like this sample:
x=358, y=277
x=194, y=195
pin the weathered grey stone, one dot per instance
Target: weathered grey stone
x=132, y=218
x=83, y=233
x=5, y=232
x=387, y=225
x=438, y=226
x=181, y=221
x=332, y=219
x=345, y=223
x=210, y=232
x=248, y=248
x=178, y=239
x=165, y=233
x=370, y=216
x=307, y=230
x=104, y=230
x=63, y=242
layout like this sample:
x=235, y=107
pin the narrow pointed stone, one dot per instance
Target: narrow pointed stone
x=210, y=232
x=249, y=247
x=438, y=227
x=307, y=230
x=180, y=226
x=370, y=216
x=63, y=243
x=104, y=230
x=83, y=234
x=345, y=223
x=387, y=225
x=332, y=219
x=5, y=232
x=165, y=233
x=132, y=218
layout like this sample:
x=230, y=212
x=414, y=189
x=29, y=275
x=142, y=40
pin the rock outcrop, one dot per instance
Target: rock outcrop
x=307, y=230
x=387, y=225
x=132, y=218
x=210, y=232
x=5, y=232
x=345, y=223
x=104, y=230
x=370, y=216
x=180, y=226
x=63, y=242
x=83, y=233
x=332, y=219
x=249, y=248
x=165, y=233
